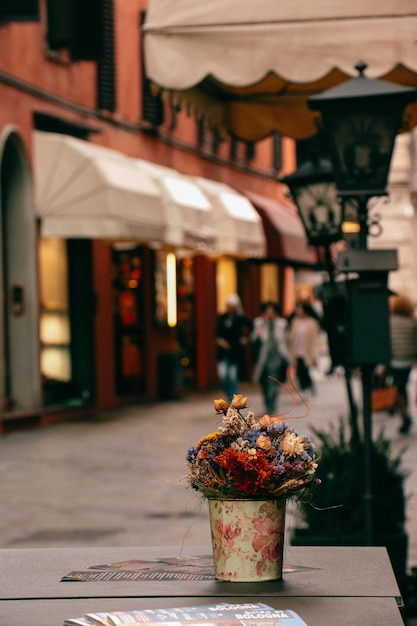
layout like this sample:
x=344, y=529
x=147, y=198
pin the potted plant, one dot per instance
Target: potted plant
x=335, y=516
x=247, y=469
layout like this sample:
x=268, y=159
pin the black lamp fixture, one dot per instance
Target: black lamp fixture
x=314, y=192
x=361, y=119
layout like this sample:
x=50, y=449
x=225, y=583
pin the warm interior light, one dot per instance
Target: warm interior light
x=55, y=328
x=56, y=363
x=350, y=227
x=171, y=265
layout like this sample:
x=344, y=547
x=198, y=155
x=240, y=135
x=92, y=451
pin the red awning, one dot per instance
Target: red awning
x=285, y=236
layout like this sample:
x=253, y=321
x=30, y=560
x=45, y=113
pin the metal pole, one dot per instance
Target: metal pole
x=330, y=267
x=367, y=371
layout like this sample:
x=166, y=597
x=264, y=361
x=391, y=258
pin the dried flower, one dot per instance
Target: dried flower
x=251, y=458
x=220, y=406
x=238, y=402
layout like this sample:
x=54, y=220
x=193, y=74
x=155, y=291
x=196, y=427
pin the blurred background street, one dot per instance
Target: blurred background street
x=114, y=479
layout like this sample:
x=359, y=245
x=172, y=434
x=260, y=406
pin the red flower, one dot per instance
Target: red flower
x=247, y=473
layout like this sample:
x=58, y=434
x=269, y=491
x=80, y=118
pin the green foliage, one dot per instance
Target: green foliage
x=336, y=508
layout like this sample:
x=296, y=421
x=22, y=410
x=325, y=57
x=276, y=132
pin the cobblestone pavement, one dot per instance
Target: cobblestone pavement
x=114, y=479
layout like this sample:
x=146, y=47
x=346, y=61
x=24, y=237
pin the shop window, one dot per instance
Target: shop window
x=19, y=11
x=128, y=320
x=66, y=349
x=270, y=282
x=187, y=330
x=165, y=284
x=227, y=282
x=55, y=335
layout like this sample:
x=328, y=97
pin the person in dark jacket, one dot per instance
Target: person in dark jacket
x=233, y=329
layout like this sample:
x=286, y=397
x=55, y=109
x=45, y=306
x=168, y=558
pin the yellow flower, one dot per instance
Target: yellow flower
x=220, y=406
x=238, y=401
x=208, y=438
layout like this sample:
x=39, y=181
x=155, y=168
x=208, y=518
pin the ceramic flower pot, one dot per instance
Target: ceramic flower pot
x=248, y=539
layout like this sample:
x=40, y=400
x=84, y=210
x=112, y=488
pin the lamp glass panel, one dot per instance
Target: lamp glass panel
x=362, y=143
x=320, y=211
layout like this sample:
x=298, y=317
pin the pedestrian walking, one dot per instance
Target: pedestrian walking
x=303, y=340
x=233, y=330
x=403, y=328
x=271, y=353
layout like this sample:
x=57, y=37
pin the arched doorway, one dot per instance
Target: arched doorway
x=20, y=340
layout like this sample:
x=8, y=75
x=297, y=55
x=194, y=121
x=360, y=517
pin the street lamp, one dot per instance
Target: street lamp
x=322, y=213
x=314, y=193
x=361, y=119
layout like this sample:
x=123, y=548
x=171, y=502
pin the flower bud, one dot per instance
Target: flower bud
x=238, y=401
x=265, y=421
x=220, y=406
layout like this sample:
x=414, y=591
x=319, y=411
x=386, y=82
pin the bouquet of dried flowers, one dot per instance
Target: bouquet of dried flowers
x=251, y=458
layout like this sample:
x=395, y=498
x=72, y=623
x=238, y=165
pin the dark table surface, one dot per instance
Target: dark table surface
x=325, y=586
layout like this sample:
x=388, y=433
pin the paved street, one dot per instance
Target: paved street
x=114, y=479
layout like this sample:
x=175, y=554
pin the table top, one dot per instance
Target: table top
x=321, y=584
x=314, y=611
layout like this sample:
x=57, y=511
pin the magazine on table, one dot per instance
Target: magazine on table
x=221, y=614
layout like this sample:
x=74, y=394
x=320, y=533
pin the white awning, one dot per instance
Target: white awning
x=238, y=225
x=188, y=214
x=249, y=67
x=86, y=190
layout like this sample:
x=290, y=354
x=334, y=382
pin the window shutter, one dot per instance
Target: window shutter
x=152, y=106
x=277, y=152
x=86, y=29
x=59, y=24
x=106, y=88
x=76, y=25
x=250, y=150
x=19, y=11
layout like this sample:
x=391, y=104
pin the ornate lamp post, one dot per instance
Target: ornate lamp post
x=361, y=119
x=315, y=195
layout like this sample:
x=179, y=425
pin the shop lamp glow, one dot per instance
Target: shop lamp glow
x=171, y=270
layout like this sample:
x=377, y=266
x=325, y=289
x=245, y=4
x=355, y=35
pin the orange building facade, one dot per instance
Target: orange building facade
x=87, y=264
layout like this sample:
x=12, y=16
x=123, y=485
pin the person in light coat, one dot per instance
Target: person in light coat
x=304, y=344
x=270, y=343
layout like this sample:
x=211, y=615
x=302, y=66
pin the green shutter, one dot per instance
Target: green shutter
x=19, y=11
x=106, y=90
x=86, y=29
x=59, y=24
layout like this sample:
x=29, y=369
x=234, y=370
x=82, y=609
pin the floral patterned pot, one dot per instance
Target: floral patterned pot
x=248, y=539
